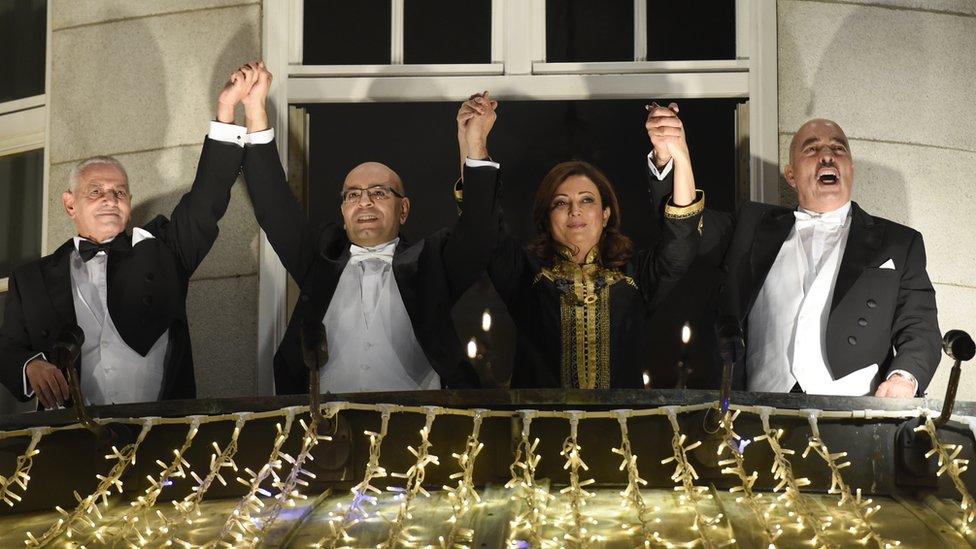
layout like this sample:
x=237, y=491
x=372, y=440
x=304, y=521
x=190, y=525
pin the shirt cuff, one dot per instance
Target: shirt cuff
x=905, y=374
x=262, y=137
x=28, y=390
x=659, y=174
x=671, y=211
x=228, y=133
x=473, y=163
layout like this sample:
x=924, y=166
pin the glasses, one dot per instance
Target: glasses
x=375, y=193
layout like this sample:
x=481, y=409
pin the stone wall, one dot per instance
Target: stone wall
x=139, y=81
x=898, y=76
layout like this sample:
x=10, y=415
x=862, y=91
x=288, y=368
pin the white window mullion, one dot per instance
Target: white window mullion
x=497, y=31
x=396, y=30
x=640, y=30
x=763, y=102
x=518, y=35
x=538, y=30
x=743, y=34
x=296, y=31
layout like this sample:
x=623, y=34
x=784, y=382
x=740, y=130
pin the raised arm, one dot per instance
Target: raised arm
x=474, y=237
x=666, y=131
x=192, y=227
x=660, y=268
x=277, y=210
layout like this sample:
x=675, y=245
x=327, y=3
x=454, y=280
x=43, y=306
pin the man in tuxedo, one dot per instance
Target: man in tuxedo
x=127, y=292
x=832, y=300
x=385, y=303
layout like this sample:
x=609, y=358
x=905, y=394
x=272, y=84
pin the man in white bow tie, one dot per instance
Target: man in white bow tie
x=385, y=303
x=831, y=299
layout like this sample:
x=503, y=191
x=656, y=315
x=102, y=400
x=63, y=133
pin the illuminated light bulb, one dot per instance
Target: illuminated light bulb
x=472, y=348
x=486, y=321
x=686, y=333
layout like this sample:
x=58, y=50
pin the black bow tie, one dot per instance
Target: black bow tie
x=88, y=250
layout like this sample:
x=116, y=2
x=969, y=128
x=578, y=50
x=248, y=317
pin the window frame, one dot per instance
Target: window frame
x=517, y=70
x=24, y=126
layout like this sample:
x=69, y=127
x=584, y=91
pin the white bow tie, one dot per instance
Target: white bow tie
x=829, y=219
x=384, y=252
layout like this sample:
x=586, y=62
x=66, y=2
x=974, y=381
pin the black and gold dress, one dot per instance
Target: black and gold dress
x=584, y=325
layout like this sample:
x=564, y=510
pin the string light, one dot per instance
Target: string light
x=576, y=522
x=189, y=506
x=140, y=511
x=861, y=509
x=142, y=523
x=414, y=477
x=782, y=472
x=463, y=496
x=288, y=492
x=735, y=465
x=534, y=497
x=950, y=463
x=21, y=475
x=631, y=495
x=685, y=475
x=80, y=519
x=363, y=493
x=240, y=523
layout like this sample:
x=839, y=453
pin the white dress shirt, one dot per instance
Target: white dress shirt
x=787, y=324
x=372, y=346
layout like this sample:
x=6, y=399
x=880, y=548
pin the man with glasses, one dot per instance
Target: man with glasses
x=385, y=303
x=125, y=292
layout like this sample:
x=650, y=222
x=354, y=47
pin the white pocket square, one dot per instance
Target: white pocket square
x=890, y=264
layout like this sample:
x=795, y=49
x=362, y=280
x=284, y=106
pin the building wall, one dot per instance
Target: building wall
x=898, y=76
x=139, y=81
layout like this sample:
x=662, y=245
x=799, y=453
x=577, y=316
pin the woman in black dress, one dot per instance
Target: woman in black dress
x=580, y=295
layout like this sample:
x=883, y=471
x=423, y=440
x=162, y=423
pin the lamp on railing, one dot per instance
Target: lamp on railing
x=479, y=352
x=958, y=346
x=315, y=353
x=684, y=364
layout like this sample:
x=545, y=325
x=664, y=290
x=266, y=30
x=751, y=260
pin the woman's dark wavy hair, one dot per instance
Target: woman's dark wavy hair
x=615, y=248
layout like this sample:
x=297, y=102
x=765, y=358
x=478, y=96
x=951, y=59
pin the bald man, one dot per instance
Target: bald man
x=385, y=302
x=832, y=300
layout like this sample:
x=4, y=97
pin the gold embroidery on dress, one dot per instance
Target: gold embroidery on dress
x=584, y=316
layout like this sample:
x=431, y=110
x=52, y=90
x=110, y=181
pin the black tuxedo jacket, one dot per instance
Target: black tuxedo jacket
x=431, y=274
x=874, y=313
x=147, y=284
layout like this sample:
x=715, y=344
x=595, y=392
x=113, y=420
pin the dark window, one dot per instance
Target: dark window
x=690, y=30
x=528, y=139
x=579, y=31
x=21, y=185
x=447, y=31
x=23, y=38
x=339, y=32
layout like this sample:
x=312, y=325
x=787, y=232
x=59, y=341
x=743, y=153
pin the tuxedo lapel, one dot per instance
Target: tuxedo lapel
x=57, y=279
x=863, y=242
x=771, y=232
x=406, y=264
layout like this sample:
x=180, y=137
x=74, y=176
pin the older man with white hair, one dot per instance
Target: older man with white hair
x=126, y=292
